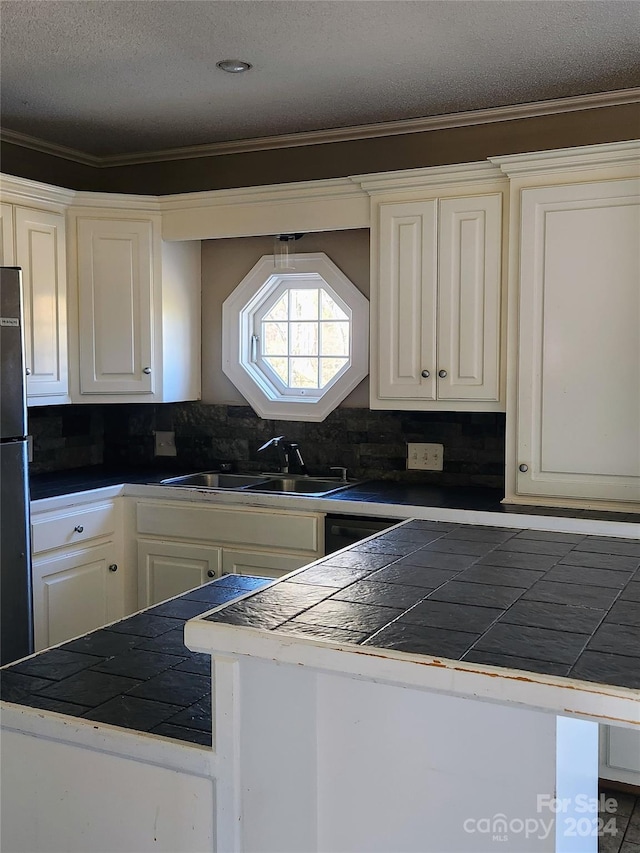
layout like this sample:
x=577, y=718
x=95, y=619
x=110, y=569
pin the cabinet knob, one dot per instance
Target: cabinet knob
x=113, y=567
x=78, y=528
x=425, y=374
x=523, y=468
x=442, y=374
x=211, y=573
x=146, y=370
x=28, y=371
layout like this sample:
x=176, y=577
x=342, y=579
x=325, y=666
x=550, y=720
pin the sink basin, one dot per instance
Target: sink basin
x=269, y=483
x=214, y=480
x=300, y=486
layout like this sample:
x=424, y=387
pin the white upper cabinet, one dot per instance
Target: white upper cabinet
x=573, y=420
x=578, y=398
x=436, y=302
x=7, y=235
x=41, y=252
x=115, y=306
x=137, y=310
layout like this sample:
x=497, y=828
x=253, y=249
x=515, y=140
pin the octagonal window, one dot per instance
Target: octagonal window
x=295, y=343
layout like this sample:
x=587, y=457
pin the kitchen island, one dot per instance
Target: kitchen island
x=396, y=695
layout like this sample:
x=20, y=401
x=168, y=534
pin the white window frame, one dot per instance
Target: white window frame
x=241, y=361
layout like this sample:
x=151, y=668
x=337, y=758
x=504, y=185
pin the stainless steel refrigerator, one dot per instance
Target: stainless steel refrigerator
x=16, y=607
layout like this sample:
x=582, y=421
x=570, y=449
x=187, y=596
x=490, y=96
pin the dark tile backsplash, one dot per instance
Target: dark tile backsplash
x=66, y=437
x=370, y=444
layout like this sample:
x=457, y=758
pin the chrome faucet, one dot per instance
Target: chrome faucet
x=286, y=451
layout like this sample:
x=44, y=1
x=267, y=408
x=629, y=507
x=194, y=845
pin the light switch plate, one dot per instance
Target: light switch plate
x=165, y=443
x=425, y=457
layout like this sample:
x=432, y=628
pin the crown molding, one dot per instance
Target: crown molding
x=332, y=189
x=613, y=154
x=147, y=204
x=419, y=180
x=326, y=137
x=25, y=191
x=23, y=140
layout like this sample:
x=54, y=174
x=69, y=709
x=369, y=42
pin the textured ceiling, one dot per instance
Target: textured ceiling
x=116, y=77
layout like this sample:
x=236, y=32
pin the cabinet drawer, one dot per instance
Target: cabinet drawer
x=248, y=527
x=72, y=527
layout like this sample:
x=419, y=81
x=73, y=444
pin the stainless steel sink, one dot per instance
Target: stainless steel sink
x=268, y=483
x=300, y=486
x=215, y=480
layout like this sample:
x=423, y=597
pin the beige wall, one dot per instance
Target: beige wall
x=224, y=265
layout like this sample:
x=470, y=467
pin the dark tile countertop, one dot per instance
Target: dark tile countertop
x=477, y=498
x=555, y=603
x=137, y=673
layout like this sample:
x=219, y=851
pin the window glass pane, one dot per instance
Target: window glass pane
x=335, y=339
x=304, y=338
x=280, y=310
x=329, y=308
x=304, y=373
x=329, y=367
x=304, y=305
x=280, y=367
x=275, y=338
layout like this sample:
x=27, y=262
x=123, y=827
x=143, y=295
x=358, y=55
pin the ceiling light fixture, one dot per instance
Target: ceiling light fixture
x=233, y=66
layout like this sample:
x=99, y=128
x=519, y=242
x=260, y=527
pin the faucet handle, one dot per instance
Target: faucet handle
x=343, y=471
x=272, y=442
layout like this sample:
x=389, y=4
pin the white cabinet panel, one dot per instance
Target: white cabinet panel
x=436, y=295
x=7, y=248
x=469, y=298
x=578, y=432
x=256, y=563
x=620, y=754
x=74, y=593
x=41, y=252
x=166, y=569
x=406, y=314
x=115, y=306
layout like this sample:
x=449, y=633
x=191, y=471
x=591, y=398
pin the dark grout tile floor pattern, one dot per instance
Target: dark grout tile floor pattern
x=137, y=673
x=555, y=603
x=620, y=831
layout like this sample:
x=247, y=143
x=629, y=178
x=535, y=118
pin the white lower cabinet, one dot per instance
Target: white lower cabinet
x=258, y=563
x=166, y=569
x=74, y=593
x=77, y=569
x=182, y=545
x=620, y=755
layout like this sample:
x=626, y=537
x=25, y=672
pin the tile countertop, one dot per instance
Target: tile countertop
x=360, y=498
x=560, y=604
x=136, y=673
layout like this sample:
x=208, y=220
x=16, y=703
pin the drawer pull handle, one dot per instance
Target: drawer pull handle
x=78, y=528
x=211, y=573
x=113, y=567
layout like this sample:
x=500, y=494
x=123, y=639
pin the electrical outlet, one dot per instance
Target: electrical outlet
x=165, y=443
x=425, y=457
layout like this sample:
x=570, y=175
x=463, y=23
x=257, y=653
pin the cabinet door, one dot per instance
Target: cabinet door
x=469, y=279
x=406, y=300
x=40, y=251
x=7, y=255
x=75, y=592
x=620, y=754
x=579, y=348
x=260, y=564
x=115, y=306
x=166, y=569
